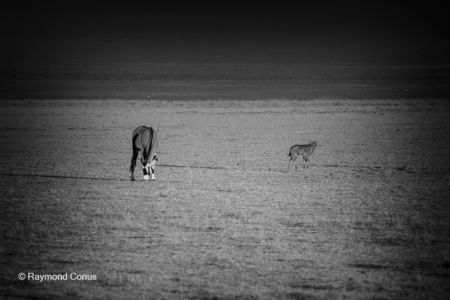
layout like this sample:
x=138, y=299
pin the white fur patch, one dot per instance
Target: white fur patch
x=146, y=177
x=152, y=163
x=153, y=176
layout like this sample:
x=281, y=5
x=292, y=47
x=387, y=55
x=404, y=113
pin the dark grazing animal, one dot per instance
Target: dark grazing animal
x=303, y=150
x=145, y=140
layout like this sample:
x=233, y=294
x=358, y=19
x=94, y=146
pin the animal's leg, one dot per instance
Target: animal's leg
x=293, y=159
x=133, y=162
x=146, y=171
x=307, y=162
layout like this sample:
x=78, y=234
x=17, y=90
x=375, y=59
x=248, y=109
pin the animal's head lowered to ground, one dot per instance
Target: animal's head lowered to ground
x=149, y=168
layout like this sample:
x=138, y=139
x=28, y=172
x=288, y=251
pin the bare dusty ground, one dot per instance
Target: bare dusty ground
x=369, y=219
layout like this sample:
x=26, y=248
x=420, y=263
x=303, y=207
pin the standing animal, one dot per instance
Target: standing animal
x=303, y=150
x=145, y=140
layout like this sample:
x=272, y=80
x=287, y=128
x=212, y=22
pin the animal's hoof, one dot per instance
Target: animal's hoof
x=146, y=177
x=132, y=178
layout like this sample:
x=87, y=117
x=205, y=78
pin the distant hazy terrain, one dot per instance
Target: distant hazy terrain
x=369, y=219
x=206, y=81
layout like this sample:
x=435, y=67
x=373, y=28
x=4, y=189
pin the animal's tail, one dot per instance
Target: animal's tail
x=135, y=153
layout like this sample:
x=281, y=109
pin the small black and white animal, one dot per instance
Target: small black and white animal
x=304, y=150
x=145, y=140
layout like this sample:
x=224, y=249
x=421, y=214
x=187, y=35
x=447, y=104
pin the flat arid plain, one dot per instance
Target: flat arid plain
x=225, y=219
